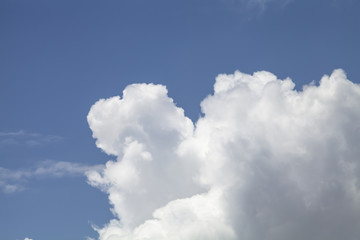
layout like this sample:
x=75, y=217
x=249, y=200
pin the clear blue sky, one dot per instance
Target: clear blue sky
x=59, y=57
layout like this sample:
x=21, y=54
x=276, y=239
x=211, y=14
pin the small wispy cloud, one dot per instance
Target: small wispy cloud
x=14, y=180
x=250, y=5
x=27, y=138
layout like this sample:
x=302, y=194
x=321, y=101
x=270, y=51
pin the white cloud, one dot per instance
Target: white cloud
x=144, y=129
x=13, y=180
x=265, y=161
x=28, y=238
x=262, y=3
x=26, y=138
x=246, y=6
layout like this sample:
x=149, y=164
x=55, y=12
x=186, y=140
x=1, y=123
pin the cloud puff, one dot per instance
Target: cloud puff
x=27, y=238
x=13, y=180
x=264, y=162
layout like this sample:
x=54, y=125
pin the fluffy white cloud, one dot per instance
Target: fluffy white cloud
x=264, y=162
x=144, y=129
x=27, y=238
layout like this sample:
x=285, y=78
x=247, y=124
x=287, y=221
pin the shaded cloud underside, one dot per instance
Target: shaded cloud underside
x=264, y=162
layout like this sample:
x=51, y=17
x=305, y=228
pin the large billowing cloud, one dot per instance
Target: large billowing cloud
x=264, y=162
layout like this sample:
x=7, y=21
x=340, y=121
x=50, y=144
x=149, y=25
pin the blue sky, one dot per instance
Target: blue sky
x=57, y=58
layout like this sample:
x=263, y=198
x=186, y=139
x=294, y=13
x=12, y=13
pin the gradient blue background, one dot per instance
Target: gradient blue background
x=58, y=57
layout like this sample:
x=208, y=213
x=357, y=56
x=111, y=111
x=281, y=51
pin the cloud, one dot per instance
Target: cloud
x=13, y=180
x=28, y=238
x=261, y=3
x=264, y=162
x=28, y=139
x=246, y=6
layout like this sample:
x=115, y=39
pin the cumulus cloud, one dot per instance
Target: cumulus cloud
x=13, y=180
x=27, y=238
x=264, y=162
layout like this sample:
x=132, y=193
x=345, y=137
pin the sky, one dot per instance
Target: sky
x=217, y=119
